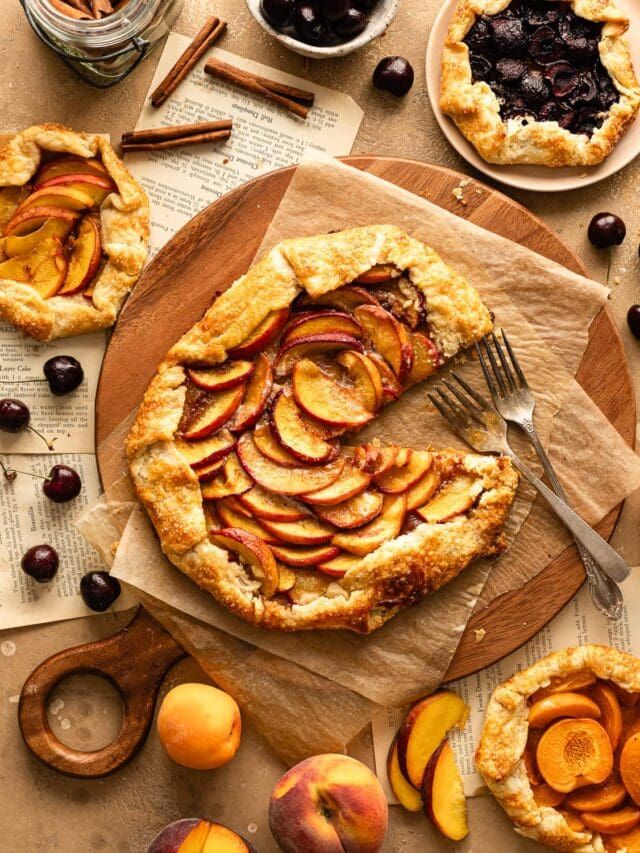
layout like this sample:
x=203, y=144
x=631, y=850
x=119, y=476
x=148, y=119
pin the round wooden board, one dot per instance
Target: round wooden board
x=218, y=245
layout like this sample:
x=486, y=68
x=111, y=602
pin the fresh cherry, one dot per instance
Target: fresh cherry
x=14, y=415
x=41, y=563
x=310, y=27
x=62, y=484
x=633, y=320
x=606, y=229
x=64, y=374
x=352, y=24
x=278, y=13
x=333, y=10
x=394, y=74
x=99, y=590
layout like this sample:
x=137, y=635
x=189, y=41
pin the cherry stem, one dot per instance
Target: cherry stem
x=9, y=471
x=609, y=264
x=20, y=381
x=46, y=440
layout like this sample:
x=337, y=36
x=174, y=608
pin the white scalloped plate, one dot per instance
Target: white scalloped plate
x=537, y=178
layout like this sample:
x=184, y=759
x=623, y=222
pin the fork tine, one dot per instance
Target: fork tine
x=503, y=361
x=514, y=360
x=462, y=414
x=488, y=378
x=495, y=369
x=449, y=416
x=469, y=407
x=480, y=400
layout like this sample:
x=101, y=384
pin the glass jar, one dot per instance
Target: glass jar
x=104, y=51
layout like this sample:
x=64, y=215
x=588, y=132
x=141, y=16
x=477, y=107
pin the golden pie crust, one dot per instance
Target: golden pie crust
x=399, y=572
x=476, y=111
x=500, y=754
x=124, y=225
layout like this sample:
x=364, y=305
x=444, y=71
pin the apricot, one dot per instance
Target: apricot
x=564, y=684
x=550, y=708
x=573, y=753
x=627, y=698
x=630, y=767
x=199, y=726
x=573, y=821
x=544, y=795
x=610, y=712
x=627, y=841
x=609, y=823
x=600, y=799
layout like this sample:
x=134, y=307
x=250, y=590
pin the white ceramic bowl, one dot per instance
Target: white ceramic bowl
x=379, y=19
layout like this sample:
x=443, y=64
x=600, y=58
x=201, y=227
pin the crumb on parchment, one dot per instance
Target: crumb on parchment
x=480, y=634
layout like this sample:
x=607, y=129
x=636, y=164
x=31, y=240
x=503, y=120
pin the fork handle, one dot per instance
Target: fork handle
x=604, y=591
x=610, y=561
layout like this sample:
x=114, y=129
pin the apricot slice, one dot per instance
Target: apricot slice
x=573, y=753
x=405, y=793
x=562, y=705
x=84, y=259
x=544, y=795
x=627, y=841
x=443, y=794
x=608, y=823
x=424, y=729
x=630, y=767
x=627, y=698
x=573, y=821
x=601, y=799
x=530, y=765
x=610, y=712
x=565, y=684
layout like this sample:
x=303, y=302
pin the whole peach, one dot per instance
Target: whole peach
x=199, y=726
x=328, y=804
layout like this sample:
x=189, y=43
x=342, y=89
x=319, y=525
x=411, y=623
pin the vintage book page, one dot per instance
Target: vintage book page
x=576, y=624
x=29, y=518
x=181, y=182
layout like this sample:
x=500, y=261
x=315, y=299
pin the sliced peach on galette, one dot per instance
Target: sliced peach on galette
x=297, y=432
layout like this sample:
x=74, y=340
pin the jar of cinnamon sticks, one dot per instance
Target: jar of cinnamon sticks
x=102, y=40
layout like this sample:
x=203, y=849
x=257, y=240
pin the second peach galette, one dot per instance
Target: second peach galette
x=238, y=451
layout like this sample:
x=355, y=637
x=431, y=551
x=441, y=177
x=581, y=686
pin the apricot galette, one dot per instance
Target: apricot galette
x=236, y=451
x=560, y=750
x=74, y=228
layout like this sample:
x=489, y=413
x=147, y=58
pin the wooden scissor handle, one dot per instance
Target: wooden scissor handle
x=135, y=661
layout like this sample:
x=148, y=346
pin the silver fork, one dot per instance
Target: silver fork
x=476, y=421
x=513, y=399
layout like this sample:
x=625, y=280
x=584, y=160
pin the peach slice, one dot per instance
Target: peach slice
x=44, y=268
x=424, y=729
x=423, y=490
x=425, y=358
x=10, y=198
x=97, y=187
x=610, y=823
x=232, y=480
x=287, y=579
x=374, y=459
x=266, y=332
x=544, y=795
x=14, y=247
x=231, y=517
x=307, y=531
x=346, y=298
x=210, y=471
x=253, y=553
x=271, y=507
x=33, y=218
x=377, y=274
x=256, y=395
x=404, y=792
x=86, y=255
x=571, y=683
x=452, y=499
x=310, y=323
x=352, y=482
x=309, y=585
x=301, y=557
x=68, y=166
x=205, y=412
x=391, y=388
x=354, y=512
x=630, y=767
x=573, y=753
x=322, y=398
x=311, y=347
x=284, y=481
x=212, y=520
x=270, y=447
x=67, y=198
x=365, y=377
x=389, y=336
x=443, y=794
x=296, y=433
x=204, y=453
x=601, y=799
x=546, y=710
x=386, y=526
x=339, y=566
x=402, y=478
x=610, y=712
x=223, y=376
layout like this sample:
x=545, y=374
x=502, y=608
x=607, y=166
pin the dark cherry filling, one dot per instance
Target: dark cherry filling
x=541, y=61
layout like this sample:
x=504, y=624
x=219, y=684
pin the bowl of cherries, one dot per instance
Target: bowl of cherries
x=322, y=29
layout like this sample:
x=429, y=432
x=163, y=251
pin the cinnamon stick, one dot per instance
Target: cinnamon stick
x=71, y=11
x=296, y=101
x=207, y=36
x=195, y=139
x=181, y=131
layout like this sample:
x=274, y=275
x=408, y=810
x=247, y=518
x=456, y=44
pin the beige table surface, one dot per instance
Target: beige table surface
x=42, y=811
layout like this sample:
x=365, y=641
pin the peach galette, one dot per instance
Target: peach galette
x=238, y=449
x=560, y=750
x=74, y=228
x=547, y=82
